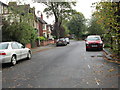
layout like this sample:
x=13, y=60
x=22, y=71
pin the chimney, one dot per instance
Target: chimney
x=41, y=16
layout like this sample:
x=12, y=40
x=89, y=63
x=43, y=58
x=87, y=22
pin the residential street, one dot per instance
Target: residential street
x=62, y=67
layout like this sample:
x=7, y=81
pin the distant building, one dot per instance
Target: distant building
x=42, y=26
x=23, y=10
x=49, y=32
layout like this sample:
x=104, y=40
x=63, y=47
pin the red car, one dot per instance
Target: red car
x=94, y=42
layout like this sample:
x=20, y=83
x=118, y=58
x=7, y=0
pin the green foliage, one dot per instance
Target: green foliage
x=41, y=38
x=95, y=28
x=54, y=37
x=67, y=31
x=107, y=45
x=19, y=25
x=61, y=11
x=108, y=16
x=21, y=32
x=21, y=13
x=77, y=25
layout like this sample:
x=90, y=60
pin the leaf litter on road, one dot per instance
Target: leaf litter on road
x=30, y=86
x=111, y=70
x=113, y=75
x=98, y=71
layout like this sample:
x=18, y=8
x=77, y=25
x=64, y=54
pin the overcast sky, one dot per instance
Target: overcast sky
x=83, y=6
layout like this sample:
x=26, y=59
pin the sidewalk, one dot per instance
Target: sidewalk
x=108, y=56
x=42, y=48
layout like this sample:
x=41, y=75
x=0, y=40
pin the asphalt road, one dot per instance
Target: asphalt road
x=62, y=67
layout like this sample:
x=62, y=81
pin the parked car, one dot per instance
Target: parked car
x=94, y=42
x=11, y=52
x=68, y=41
x=61, y=41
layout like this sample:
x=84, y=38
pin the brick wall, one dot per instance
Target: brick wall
x=28, y=45
x=44, y=43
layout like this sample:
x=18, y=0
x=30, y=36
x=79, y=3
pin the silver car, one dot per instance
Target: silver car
x=11, y=52
x=61, y=41
x=68, y=41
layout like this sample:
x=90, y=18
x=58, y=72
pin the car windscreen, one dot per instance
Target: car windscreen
x=93, y=38
x=62, y=39
x=3, y=45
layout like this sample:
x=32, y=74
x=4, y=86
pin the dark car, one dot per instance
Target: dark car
x=61, y=41
x=94, y=42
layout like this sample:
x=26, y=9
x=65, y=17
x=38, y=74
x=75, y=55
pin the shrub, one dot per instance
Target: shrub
x=41, y=38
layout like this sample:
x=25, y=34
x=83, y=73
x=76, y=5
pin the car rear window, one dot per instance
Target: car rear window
x=93, y=38
x=61, y=39
x=3, y=45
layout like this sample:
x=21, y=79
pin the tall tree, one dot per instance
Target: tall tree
x=61, y=11
x=94, y=28
x=77, y=24
x=21, y=32
x=19, y=24
x=108, y=14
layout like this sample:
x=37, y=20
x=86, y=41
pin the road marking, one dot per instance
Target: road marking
x=84, y=53
x=89, y=66
x=87, y=83
x=97, y=81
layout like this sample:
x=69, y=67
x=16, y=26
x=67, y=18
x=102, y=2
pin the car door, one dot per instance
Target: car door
x=16, y=50
x=23, y=50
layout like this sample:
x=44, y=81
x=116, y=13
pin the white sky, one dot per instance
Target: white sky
x=83, y=6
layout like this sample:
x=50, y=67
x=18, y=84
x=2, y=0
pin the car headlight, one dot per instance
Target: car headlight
x=101, y=43
x=87, y=43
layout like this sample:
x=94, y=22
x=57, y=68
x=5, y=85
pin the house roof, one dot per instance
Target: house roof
x=3, y=4
x=41, y=20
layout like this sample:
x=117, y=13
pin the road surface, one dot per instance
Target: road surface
x=62, y=67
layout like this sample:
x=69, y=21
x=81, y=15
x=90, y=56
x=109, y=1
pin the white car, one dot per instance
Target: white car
x=68, y=41
x=11, y=52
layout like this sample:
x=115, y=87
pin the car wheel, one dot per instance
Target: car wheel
x=87, y=49
x=29, y=56
x=13, y=60
x=101, y=49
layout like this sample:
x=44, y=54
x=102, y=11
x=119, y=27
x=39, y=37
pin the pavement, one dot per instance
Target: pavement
x=42, y=48
x=107, y=55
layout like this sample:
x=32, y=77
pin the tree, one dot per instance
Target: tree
x=77, y=25
x=20, y=32
x=21, y=13
x=95, y=28
x=61, y=11
x=19, y=24
x=108, y=15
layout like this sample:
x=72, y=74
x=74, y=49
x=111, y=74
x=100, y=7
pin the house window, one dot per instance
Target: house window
x=44, y=26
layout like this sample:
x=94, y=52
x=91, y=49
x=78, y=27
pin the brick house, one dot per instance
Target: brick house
x=49, y=32
x=42, y=26
x=44, y=29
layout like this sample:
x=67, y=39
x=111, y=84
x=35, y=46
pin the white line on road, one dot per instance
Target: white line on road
x=87, y=83
x=84, y=53
x=89, y=66
x=97, y=81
